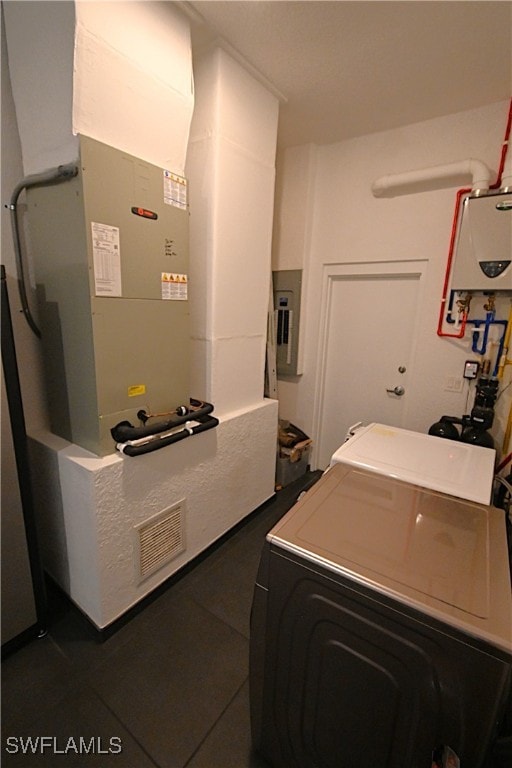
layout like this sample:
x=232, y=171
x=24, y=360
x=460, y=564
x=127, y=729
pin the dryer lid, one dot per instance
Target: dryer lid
x=441, y=555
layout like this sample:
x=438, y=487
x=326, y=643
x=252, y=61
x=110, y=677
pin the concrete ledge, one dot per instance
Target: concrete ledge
x=88, y=507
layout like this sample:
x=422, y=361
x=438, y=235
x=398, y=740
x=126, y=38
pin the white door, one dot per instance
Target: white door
x=370, y=314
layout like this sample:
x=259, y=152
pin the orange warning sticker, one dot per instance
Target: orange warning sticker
x=174, y=286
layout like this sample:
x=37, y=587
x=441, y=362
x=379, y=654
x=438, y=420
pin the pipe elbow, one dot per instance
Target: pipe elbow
x=436, y=177
x=381, y=187
x=480, y=174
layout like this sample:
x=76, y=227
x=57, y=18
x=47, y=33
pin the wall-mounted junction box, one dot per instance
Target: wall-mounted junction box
x=287, y=293
x=471, y=369
x=111, y=265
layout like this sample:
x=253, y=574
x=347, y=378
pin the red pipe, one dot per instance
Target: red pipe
x=503, y=463
x=460, y=194
x=462, y=331
x=504, y=148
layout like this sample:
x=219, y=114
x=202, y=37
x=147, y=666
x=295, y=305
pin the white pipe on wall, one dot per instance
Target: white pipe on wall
x=437, y=177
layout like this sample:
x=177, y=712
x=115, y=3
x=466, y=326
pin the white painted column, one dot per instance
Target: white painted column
x=231, y=168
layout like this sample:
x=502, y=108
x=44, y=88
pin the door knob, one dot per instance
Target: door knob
x=398, y=390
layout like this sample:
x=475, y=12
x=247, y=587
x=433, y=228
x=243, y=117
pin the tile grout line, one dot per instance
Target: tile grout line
x=127, y=729
x=212, y=728
x=219, y=618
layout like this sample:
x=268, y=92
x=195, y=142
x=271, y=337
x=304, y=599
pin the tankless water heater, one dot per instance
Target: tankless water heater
x=483, y=255
x=111, y=265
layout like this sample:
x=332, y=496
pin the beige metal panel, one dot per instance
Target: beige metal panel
x=140, y=346
x=97, y=348
x=114, y=183
x=57, y=235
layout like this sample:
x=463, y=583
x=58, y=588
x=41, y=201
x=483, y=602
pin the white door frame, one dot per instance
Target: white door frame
x=340, y=270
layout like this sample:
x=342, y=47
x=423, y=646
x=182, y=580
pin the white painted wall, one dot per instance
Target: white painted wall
x=133, y=85
x=231, y=168
x=291, y=241
x=40, y=44
x=350, y=225
x=295, y=175
x=133, y=89
x=120, y=72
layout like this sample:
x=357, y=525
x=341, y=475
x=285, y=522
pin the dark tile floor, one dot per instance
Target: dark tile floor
x=170, y=687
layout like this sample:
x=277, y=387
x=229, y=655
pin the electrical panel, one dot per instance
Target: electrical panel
x=287, y=294
x=483, y=254
x=111, y=265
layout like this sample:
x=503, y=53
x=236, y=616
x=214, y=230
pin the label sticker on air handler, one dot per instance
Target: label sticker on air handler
x=175, y=190
x=174, y=286
x=106, y=258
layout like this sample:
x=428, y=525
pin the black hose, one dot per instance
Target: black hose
x=53, y=176
x=206, y=422
x=124, y=431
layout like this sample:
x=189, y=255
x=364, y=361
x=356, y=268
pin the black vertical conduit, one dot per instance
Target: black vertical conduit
x=19, y=436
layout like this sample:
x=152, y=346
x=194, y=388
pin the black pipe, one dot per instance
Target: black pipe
x=206, y=422
x=124, y=431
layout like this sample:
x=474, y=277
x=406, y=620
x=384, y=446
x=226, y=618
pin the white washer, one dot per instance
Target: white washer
x=452, y=467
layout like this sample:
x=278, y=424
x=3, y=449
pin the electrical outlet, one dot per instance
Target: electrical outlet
x=453, y=384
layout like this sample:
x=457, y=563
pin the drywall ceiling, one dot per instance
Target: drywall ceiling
x=345, y=69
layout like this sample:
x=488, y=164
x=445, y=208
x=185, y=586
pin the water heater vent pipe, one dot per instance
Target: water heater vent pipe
x=506, y=179
x=436, y=177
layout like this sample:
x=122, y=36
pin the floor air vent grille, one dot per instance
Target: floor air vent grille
x=160, y=539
